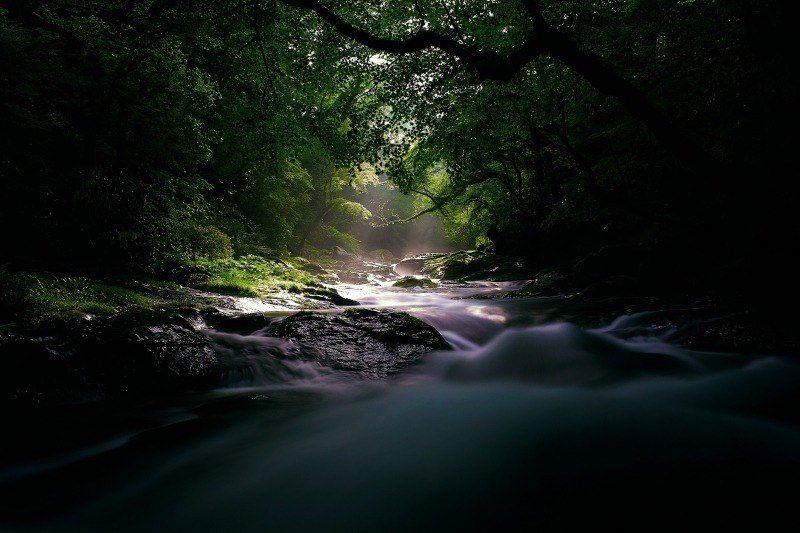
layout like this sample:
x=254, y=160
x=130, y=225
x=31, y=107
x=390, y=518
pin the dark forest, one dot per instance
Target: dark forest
x=446, y=220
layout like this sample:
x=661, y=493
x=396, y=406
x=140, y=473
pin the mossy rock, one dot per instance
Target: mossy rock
x=410, y=282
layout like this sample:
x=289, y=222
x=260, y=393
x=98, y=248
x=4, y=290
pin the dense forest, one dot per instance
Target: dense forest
x=398, y=265
x=141, y=134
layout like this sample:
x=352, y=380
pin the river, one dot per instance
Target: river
x=529, y=421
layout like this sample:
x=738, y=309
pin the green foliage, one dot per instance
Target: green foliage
x=207, y=242
x=28, y=296
x=251, y=276
x=138, y=134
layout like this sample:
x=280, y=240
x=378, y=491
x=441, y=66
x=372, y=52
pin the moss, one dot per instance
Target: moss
x=253, y=276
x=31, y=297
x=409, y=282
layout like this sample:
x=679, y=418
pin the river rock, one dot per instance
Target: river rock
x=410, y=282
x=132, y=352
x=326, y=294
x=415, y=265
x=465, y=265
x=374, y=343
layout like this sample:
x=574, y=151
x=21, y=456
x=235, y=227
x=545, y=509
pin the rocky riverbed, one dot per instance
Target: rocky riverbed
x=488, y=397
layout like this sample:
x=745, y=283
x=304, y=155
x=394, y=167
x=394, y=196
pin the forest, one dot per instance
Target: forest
x=256, y=165
x=141, y=135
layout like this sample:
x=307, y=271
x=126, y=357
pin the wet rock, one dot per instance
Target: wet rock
x=410, y=282
x=366, y=272
x=132, y=352
x=414, y=265
x=327, y=295
x=147, y=350
x=750, y=333
x=466, y=265
x=354, y=277
x=375, y=343
x=237, y=323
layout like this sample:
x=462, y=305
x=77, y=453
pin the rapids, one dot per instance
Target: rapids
x=530, y=420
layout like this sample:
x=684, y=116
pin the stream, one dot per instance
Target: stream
x=529, y=421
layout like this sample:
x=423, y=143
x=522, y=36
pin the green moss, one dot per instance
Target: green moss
x=30, y=297
x=409, y=282
x=252, y=276
x=232, y=288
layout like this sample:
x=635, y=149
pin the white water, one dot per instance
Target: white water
x=528, y=421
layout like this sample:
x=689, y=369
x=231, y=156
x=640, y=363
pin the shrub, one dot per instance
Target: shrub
x=205, y=241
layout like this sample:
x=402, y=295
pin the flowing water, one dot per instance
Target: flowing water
x=529, y=421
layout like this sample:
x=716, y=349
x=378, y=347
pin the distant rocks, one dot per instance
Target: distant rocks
x=365, y=272
x=466, y=265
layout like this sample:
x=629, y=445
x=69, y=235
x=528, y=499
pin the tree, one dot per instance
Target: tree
x=541, y=37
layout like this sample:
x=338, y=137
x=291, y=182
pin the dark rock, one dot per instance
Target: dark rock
x=237, y=323
x=547, y=282
x=132, y=352
x=147, y=350
x=327, y=295
x=466, y=265
x=409, y=282
x=745, y=333
x=354, y=277
x=375, y=343
x=411, y=266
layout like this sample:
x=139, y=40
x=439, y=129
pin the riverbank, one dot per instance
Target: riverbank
x=34, y=298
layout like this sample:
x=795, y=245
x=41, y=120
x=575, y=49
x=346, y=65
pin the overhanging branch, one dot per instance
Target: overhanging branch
x=545, y=39
x=488, y=65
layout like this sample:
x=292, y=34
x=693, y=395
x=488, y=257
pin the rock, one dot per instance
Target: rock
x=312, y=268
x=327, y=295
x=132, y=352
x=374, y=343
x=342, y=253
x=466, y=265
x=353, y=277
x=238, y=323
x=409, y=282
x=382, y=255
x=147, y=350
x=414, y=265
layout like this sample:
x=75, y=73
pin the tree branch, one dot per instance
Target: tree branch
x=488, y=64
x=544, y=40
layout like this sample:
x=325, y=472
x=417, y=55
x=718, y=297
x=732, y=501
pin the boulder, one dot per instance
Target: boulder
x=354, y=277
x=415, y=265
x=373, y=343
x=410, y=282
x=466, y=265
x=132, y=352
x=327, y=295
